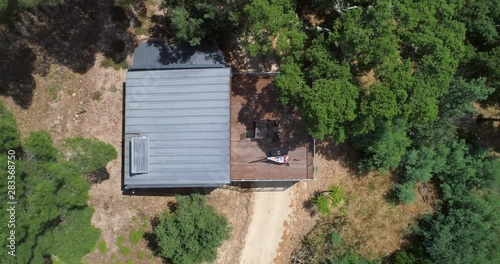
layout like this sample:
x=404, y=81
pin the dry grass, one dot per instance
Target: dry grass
x=372, y=223
x=367, y=79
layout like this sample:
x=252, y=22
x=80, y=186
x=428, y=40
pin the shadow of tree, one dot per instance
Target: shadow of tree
x=261, y=103
x=16, y=67
x=97, y=176
x=487, y=132
x=309, y=207
x=69, y=33
x=161, y=27
x=344, y=153
x=150, y=237
x=183, y=53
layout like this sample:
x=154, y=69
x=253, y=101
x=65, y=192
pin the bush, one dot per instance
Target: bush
x=9, y=138
x=96, y=96
x=385, y=147
x=419, y=164
x=325, y=245
x=324, y=201
x=89, y=153
x=404, y=257
x=192, y=232
x=73, y=238
x=404, y=192
x=38, y=145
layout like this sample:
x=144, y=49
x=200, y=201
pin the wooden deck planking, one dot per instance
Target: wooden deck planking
x=253, y=99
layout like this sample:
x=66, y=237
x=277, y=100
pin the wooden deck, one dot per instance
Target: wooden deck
x=253, y=99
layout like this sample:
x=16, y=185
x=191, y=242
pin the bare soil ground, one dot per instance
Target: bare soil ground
x=270, y=211
x=237, y=207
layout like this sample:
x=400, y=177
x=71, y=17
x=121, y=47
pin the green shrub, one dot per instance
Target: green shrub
x=73, y=238
x=9, y=138
x=38, y=145
x=89, y=153
x=324, y=201
x=192, y=232
x=403, y=257
x=336, y=195
x=404, y=192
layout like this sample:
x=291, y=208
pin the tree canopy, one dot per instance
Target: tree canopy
x=89, y=153
x=274, y=27
x=194, y=21
x=51, y=195
x=191, y=232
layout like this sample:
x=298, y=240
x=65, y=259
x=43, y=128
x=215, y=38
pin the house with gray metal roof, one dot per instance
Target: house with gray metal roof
x=176, y=118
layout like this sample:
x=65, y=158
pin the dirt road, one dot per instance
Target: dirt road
x=270, y=210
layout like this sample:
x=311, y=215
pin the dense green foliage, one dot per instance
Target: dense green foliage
x=385, y=147
x=467, y=232
x=397, y=79
x=89, y=154
x=194, y=21
x=52, y=215
x=38, y=145
x=9, y=138
x=325, y=201
x=274, y=27
x=191, y=232
x=72, y=239
x=481, y=18
x=269, y=27
x=404, y=192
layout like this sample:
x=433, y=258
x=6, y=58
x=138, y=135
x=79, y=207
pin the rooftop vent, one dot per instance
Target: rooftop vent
x=139, y=155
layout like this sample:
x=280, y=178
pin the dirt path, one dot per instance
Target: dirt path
x=270, y=210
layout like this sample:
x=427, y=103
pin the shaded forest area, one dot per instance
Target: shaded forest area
x=35, y=35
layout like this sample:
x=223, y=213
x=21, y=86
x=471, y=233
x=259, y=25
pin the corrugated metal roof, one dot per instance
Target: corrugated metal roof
x=185, y=114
